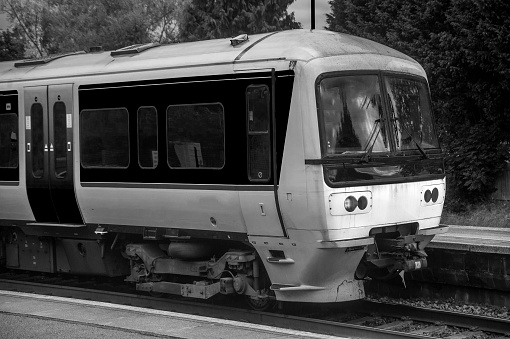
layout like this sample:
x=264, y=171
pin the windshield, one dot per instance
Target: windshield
x=352, y=114
x=410, y=113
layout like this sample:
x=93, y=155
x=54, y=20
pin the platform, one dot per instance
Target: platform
x=25, y=315
x=474, y=239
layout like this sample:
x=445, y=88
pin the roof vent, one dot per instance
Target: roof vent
x=239, y=40
x=95, y=49
x=134, y=49
x=44, y=60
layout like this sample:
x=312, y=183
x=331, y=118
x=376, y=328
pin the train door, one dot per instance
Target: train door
x=260, y=207
x=49, y=154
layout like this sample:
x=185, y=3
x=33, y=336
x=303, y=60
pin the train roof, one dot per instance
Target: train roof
x=300, y=45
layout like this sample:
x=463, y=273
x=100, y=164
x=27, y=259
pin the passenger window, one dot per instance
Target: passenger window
x=259, y=144
x=9, y=140
x=60, y=139
x=37, y=128
x=147, y=137
x=104, y=138
x=196, y=136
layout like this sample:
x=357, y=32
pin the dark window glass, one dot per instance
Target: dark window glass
x=352, y=115
x=259, y=145
x=196, y=136
x=60, y=139
x=410, y=112
x=104, y=138
x=8, y=140
x=37, y=129
x=147, y=137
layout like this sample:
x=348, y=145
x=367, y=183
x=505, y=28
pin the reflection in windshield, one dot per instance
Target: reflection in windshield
x=352, y=112
x=410, y=114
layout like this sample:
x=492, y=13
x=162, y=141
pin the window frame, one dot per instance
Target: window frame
x=266, y=132
x=57, y=175
x=17, y=140
x=388, y=75
x=128, y=139
x=33, y=150
x=381, y=77
x=138, y=137
x=224, y=136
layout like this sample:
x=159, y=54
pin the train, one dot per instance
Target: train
x=287, y=166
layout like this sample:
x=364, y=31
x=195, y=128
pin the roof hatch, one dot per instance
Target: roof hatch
x=134, y=49
x=45, y=60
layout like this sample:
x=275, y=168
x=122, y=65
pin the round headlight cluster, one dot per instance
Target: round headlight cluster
x=431, y=195
x=351, y=203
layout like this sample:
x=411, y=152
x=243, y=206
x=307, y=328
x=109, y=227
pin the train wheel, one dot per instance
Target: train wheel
x=260, y=304
x=156, y=294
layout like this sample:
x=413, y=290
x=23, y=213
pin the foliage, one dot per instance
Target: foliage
x=464, y=46
x=227, y=18
x=28, y=14
x=11, y=46
x=491, y=213
x=58, y=26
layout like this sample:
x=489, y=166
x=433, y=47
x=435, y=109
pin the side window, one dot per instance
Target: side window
x=60, y=139
x=257, y=125
x=104, y=138
x=147, y=137
x=9, y=140
x=196, y=136
x=37, y=123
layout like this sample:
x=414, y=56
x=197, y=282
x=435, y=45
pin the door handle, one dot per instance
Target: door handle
x=46, y=147
x=51, y=147
x=28, y=147
x=69, y=146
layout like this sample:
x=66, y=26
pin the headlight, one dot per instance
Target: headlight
x=432, y=195
x=350, y=203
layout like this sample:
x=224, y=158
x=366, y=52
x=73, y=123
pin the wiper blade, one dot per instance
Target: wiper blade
x=369, y=146
x=404, y=127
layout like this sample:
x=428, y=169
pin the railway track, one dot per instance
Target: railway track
x=363, y=319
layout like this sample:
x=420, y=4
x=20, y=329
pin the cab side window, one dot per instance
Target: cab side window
x=257, y=126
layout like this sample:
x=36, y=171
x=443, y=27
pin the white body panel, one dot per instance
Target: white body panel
x=14, y=203
x=260, y=214
x=187, y=209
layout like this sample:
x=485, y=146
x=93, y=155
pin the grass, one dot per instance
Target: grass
x=493, y=213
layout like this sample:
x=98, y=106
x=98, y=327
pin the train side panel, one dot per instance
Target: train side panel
x=215, y=210
x=14, y=203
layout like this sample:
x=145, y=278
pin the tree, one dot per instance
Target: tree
x=464, y=46
x=212, y=19
x=11, y=46
x=59, y=26
x=28, y=14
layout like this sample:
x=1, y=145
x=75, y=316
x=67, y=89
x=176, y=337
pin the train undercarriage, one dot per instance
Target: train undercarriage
x=189, y=267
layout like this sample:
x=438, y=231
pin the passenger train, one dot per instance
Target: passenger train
x=286, y=166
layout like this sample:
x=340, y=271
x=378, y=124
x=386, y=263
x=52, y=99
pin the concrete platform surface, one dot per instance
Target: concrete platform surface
x=474, y=239
x=24, y=315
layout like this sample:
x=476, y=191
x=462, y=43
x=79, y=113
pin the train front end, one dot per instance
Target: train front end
x=370, y=195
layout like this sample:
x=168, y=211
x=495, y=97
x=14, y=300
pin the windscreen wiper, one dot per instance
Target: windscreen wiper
x=369, y=146
x=404, y=127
